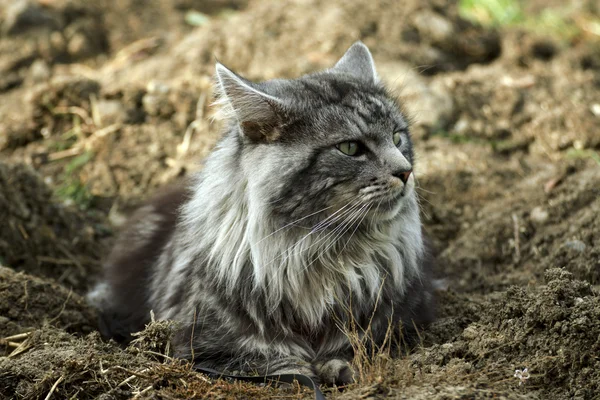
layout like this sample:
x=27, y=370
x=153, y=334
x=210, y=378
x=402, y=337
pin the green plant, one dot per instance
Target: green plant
x=551, y=21
x=71, y=187
x=492, y=12
x=584, y=154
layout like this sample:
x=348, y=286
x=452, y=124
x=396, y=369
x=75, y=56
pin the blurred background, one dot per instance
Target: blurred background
x=103, y=102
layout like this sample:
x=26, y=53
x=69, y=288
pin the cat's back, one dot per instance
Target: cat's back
x=124, y=293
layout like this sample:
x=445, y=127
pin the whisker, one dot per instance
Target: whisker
x=334, y=233
x=346, y=227
x=357, y=225
x=287, y=253
x=293, y=223
x=424, y=199
x=422, y=209
x=363, y=211
x=424, y=190
x=352, y=211
x=324, y=228
x=419, y=187
x=321, y=223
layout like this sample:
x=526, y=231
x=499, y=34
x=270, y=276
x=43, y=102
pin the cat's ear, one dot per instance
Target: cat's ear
x=258, y=113
x=357, y=61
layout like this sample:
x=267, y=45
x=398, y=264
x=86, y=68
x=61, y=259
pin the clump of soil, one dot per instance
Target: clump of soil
x=90, y=368
x=507, y=107
x=29, y=302
x=415, y=32
x=42, y=236
x=431, y=36
x=155, y=339
x=537, y=342
x=46, y=33
x=553, y=219
x=73, y=120
x=552, y=330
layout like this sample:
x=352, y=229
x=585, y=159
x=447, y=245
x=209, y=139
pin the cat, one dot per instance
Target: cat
x=303, y=221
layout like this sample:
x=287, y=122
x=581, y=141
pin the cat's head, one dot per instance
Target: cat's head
x=328, y=147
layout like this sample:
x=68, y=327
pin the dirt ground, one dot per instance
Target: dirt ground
x=103, y=102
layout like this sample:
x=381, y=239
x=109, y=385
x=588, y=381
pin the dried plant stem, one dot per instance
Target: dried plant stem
x=53, y=388
x=19, y=336
x=516, y=229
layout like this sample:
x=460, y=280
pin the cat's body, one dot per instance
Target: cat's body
x=303, y=219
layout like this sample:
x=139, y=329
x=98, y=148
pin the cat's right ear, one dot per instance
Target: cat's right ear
x=258, y=113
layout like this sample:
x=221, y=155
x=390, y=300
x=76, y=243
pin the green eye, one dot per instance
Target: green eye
x=349, y=148
x=397, y=138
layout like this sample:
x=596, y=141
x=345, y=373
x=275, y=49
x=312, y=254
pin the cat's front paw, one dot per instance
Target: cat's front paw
x=292, y=365
x=335, y=372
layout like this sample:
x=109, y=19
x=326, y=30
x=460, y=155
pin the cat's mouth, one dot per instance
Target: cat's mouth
x=377, y=202
x=389, y=204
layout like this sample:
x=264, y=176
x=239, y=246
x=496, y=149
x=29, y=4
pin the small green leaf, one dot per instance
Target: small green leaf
x=196, y=18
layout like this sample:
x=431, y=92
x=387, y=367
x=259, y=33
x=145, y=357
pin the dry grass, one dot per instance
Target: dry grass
x=377, y=360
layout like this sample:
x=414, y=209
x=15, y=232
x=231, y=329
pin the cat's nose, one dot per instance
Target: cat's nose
x=403, y=175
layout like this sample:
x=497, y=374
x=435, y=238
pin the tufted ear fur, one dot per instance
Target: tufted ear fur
x=358, y=62
x=258, y=113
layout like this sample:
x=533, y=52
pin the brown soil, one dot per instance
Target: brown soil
x=101, y=104
x=46, y=238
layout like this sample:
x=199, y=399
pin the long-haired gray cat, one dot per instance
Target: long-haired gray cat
x=303, y=221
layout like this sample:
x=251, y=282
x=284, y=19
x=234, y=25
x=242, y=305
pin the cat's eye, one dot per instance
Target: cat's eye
x=397, y=138
x=349, y=148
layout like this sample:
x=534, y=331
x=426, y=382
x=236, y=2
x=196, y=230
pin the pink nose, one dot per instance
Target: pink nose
x=403, y=175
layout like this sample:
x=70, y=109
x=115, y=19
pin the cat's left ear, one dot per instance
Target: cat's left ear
x=259, y=114
x=358, y=62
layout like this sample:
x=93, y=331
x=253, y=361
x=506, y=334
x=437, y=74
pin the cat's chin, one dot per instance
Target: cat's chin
x=389, y=209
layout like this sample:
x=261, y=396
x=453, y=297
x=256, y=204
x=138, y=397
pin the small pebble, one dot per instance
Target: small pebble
x=40, y=71
x=157, y=87
x=431, y=24
x=111, y=111
x=471, y=332
x=576, y=245
x=538, y=215
x=461, y=126
x=78, y=46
